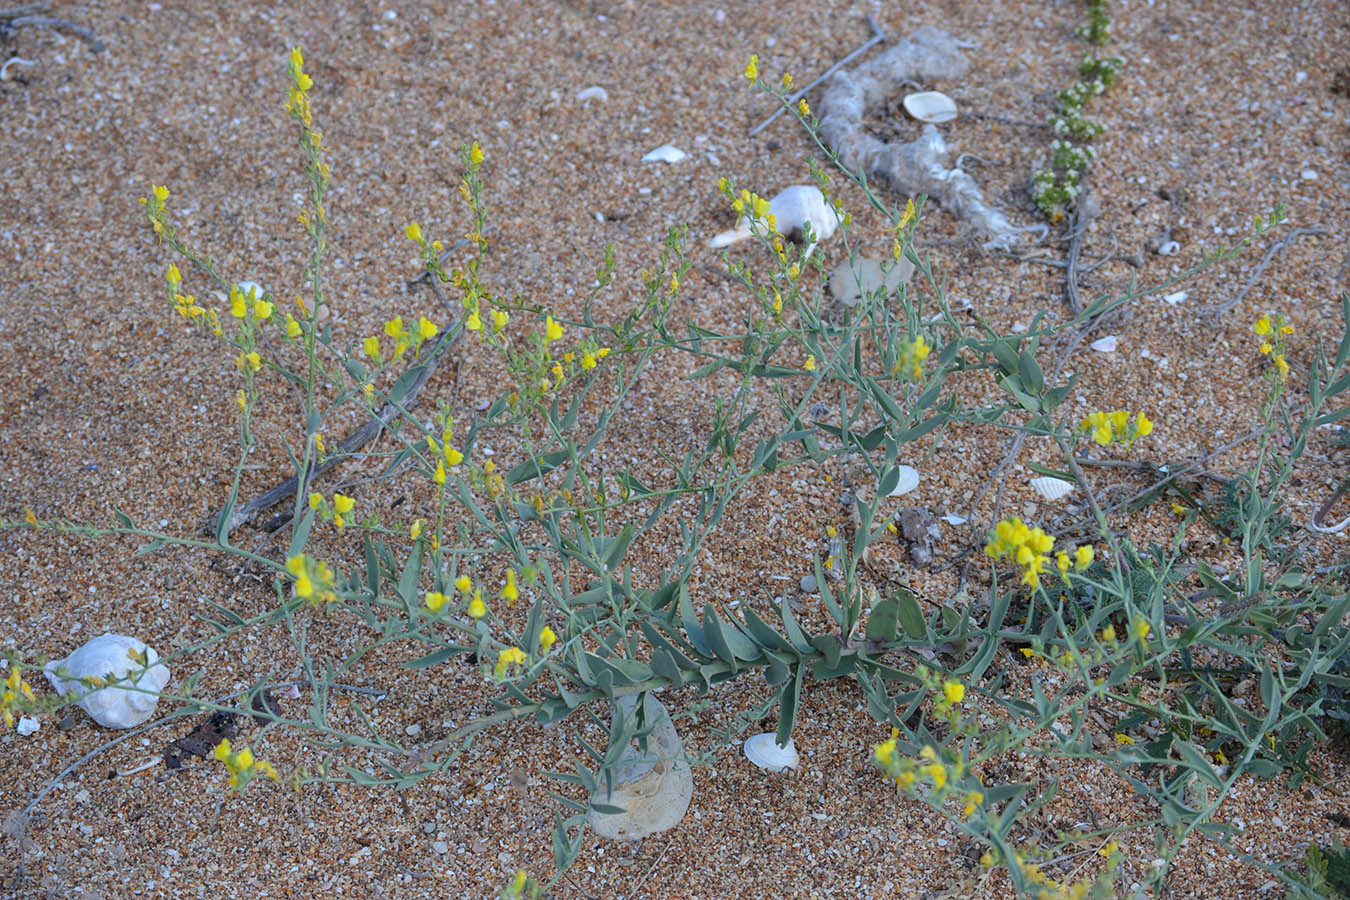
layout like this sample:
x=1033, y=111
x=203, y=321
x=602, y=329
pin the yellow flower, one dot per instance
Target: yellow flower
x=937, y=772
x=1123, y=739
x=499, y=320
x=1062, y=563
x=439, y=475
x=315, y=500
x=161, y=193
x=292, y=327
x=343, y=504
x=908, y=215
x=394, y=327
x=512, y=656
x=803, y=107
x=426, y=329
x=752, y=70
x=1143, y=425
x=953, y=691
x=1109, y=634
x=173, y=277
x=546, y=639
x=1262, y=326
x=973, y=799
x=810, y=364
x=787, y=80
x=1265, y=348
x=414, y=232
x=472, y=322
x=1140, y=628
x=262, y=310
x=415, y=531
x=435, y=600
x=1083, y=556
x=238, y=306
x=477, y=609
x=452, y=456
x=552, y=330
x=318, y=443
x=371, y=348
x=509, y=591
x=1281, y=365
x=475, y=154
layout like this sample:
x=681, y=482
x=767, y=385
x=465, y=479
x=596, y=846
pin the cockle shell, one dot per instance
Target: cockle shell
x=764, y=751
x=849, y=283
x=112, y=657
x=665, y=153
x=652, y=789
x=1052, y=488
x=930, y=106
x=792, y=209
x=909, y=480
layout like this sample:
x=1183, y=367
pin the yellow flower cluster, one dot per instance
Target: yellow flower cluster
x=522, y=887
x=1116, y=427
x=314, y=579
x=1028, y=547
x=476, y=608
x=1080, y=560
x=507, y=659
x=1269, y=330
x=332, y=512
x=444, y=453
x=15, y=687
x=909, y=358
x=297, y=99
x=404, y=336
x=242, y=767
x=906, y=771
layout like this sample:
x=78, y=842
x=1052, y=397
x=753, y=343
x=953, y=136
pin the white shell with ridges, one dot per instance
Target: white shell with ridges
x=1052, y=488
x=931, y=106
x=764, y=751
x=909, y=480
x=112, y=657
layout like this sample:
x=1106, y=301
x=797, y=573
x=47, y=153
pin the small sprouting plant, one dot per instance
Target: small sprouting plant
x=1098, y=27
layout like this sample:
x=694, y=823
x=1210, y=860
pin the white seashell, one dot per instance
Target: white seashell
x=909, y=480
x=764, y=751
x=110, y=656
x=953, y=519
x=28, y=726
x=594, y=92
x=1174, y=299
x=930, y=106
x=1308, y=174
x=1169, y=248
x=251, y=290
x=792, y=209
x=1052, y=488
x=849, y=283
x=1105, y=345
x=665, y=153
x=652, y=789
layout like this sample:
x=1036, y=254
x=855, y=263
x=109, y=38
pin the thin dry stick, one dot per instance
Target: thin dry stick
x=347, y=447
x=135, y=732
x=878, y=37
x=11, y=20
x=1215, y=312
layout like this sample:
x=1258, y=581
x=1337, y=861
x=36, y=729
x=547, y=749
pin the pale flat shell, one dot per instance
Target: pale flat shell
x=849, y=283
x=665, y=153
x=953, y=519
x=594, y=92
x=1174, y=299
x=931, y=106
x=764, y=751
x=909, y=480
x=653, y=790
x=1105, y=345
x=1052, y=488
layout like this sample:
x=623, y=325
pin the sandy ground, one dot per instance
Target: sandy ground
x=107, y=403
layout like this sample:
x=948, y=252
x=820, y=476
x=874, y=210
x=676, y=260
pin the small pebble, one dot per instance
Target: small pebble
x=808, y=584
x=440, y=847
x=1309, y=174
x=413, y=730
x=82, y=796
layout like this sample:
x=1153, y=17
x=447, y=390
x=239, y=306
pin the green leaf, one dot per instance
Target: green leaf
x=300, y=536
x=910, y=615
x=372, y=567
x=883, y=623
x=794, y=632
x=788, y=703
x=615, y=552
x=123, y=519
x=435, y=659
x=712, y=631
x=692, y=629
x=1030, y=372
x=762, y=632
x=412, y=572
x=1006, y=354
x=537, y=467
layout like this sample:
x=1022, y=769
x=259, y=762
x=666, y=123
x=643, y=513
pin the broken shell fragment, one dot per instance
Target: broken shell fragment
x=1106, y=344
x=909, y=480
x=108, y=658
x=665, y=153
x=930, y=106
x=793, y=209
x=653, y=789
x=595, y=92
x=850, y=283
x=764, y=751
x=1052, y=488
